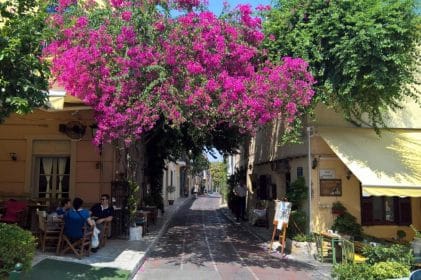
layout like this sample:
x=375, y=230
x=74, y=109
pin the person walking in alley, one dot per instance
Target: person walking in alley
x=195, y=190
x=240, y=192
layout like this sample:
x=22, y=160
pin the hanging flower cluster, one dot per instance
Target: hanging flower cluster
x=134, y=63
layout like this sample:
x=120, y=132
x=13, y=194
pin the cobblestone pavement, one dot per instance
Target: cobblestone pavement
x=201, y=243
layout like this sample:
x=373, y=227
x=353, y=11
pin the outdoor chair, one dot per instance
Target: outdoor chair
x=324, y=248
x=15, y=212
x=348, y=253
x=47, y=234
x=106, y=231
x=142, y=220
x=259, y=215
x=79, y=247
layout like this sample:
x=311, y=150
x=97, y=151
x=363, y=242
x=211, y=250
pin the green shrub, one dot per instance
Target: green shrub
x=302, y=237
x=395, y=253
x=297, y=193
x=16, y=245
x=389, y=270
x=297, y=223
x=352, y=271
x=347, y=224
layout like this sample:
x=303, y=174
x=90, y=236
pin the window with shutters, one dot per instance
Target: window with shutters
x=384, y=210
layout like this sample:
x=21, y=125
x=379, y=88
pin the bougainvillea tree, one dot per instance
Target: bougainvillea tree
x=143, y=68
x=134, y=63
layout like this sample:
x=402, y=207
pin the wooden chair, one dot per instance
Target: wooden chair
x=80, y=247
x=106, y=231
x=324, y=248
x=348, y=252
x=46, y=233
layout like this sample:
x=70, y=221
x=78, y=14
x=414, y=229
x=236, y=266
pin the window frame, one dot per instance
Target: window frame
x=367, y=217
x=53, y=194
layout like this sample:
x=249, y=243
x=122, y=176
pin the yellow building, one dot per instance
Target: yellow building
x=377, y=178
x=48, y=155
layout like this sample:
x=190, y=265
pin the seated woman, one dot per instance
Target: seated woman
x=75, y=219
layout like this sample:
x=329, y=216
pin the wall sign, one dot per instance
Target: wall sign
x=330, y=187
x=327, y=174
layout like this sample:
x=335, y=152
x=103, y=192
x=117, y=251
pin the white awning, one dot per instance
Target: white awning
x=388, y=165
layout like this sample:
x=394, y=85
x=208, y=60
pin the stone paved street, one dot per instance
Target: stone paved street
x=200, y=243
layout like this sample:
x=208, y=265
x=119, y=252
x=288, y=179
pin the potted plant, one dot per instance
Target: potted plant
x=135, y=232
x=170, y=191
x=416, y=243
x=338, y=208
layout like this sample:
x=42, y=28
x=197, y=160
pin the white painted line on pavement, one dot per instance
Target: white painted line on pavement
x=184, y=244
x=207, y=243
x=233, y=247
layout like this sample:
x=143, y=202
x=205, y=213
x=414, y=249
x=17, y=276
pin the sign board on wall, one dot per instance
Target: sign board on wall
x=327, y=174
x=330, y=187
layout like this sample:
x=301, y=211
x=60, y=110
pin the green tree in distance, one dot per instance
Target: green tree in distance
x=363, y=53
x=23, y=76
x=219, y=174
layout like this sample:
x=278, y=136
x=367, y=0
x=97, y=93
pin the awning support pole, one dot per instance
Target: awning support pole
x=309, y=133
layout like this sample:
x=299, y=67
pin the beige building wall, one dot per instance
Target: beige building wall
x=265, y=148
x=37, y=134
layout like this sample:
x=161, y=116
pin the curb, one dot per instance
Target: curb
x=158, y=236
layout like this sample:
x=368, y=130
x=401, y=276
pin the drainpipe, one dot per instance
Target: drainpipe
x=309, y=133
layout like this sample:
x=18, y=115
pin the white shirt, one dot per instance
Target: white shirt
x=240, y=190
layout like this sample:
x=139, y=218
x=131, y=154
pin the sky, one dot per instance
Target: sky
x=217, y=5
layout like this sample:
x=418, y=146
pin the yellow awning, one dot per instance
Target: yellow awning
x=388, y=165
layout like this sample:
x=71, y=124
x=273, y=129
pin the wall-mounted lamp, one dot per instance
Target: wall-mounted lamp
x=314, y=163
x=13, y=156
x=98, y=165
x=348, y=174
x=94, y=128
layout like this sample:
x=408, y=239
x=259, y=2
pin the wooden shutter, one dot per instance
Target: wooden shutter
x=261, y=194
x=405, y=215
x=366, y=211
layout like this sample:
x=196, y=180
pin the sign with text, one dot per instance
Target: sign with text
x=282, y=212
x=327, y=174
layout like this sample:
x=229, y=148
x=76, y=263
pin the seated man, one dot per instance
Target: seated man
x=102, y=212
x=65, y=204
x=75, y=219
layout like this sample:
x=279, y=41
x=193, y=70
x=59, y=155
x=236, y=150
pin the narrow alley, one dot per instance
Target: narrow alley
x=200, y=243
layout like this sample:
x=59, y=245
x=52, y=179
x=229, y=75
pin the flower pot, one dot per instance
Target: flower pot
x=170, y=201
x=135, y=233
x=337, y=211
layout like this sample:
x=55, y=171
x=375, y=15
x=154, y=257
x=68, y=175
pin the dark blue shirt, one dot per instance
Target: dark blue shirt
x=74, y=222
x=100, y=213
x=60, y=211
